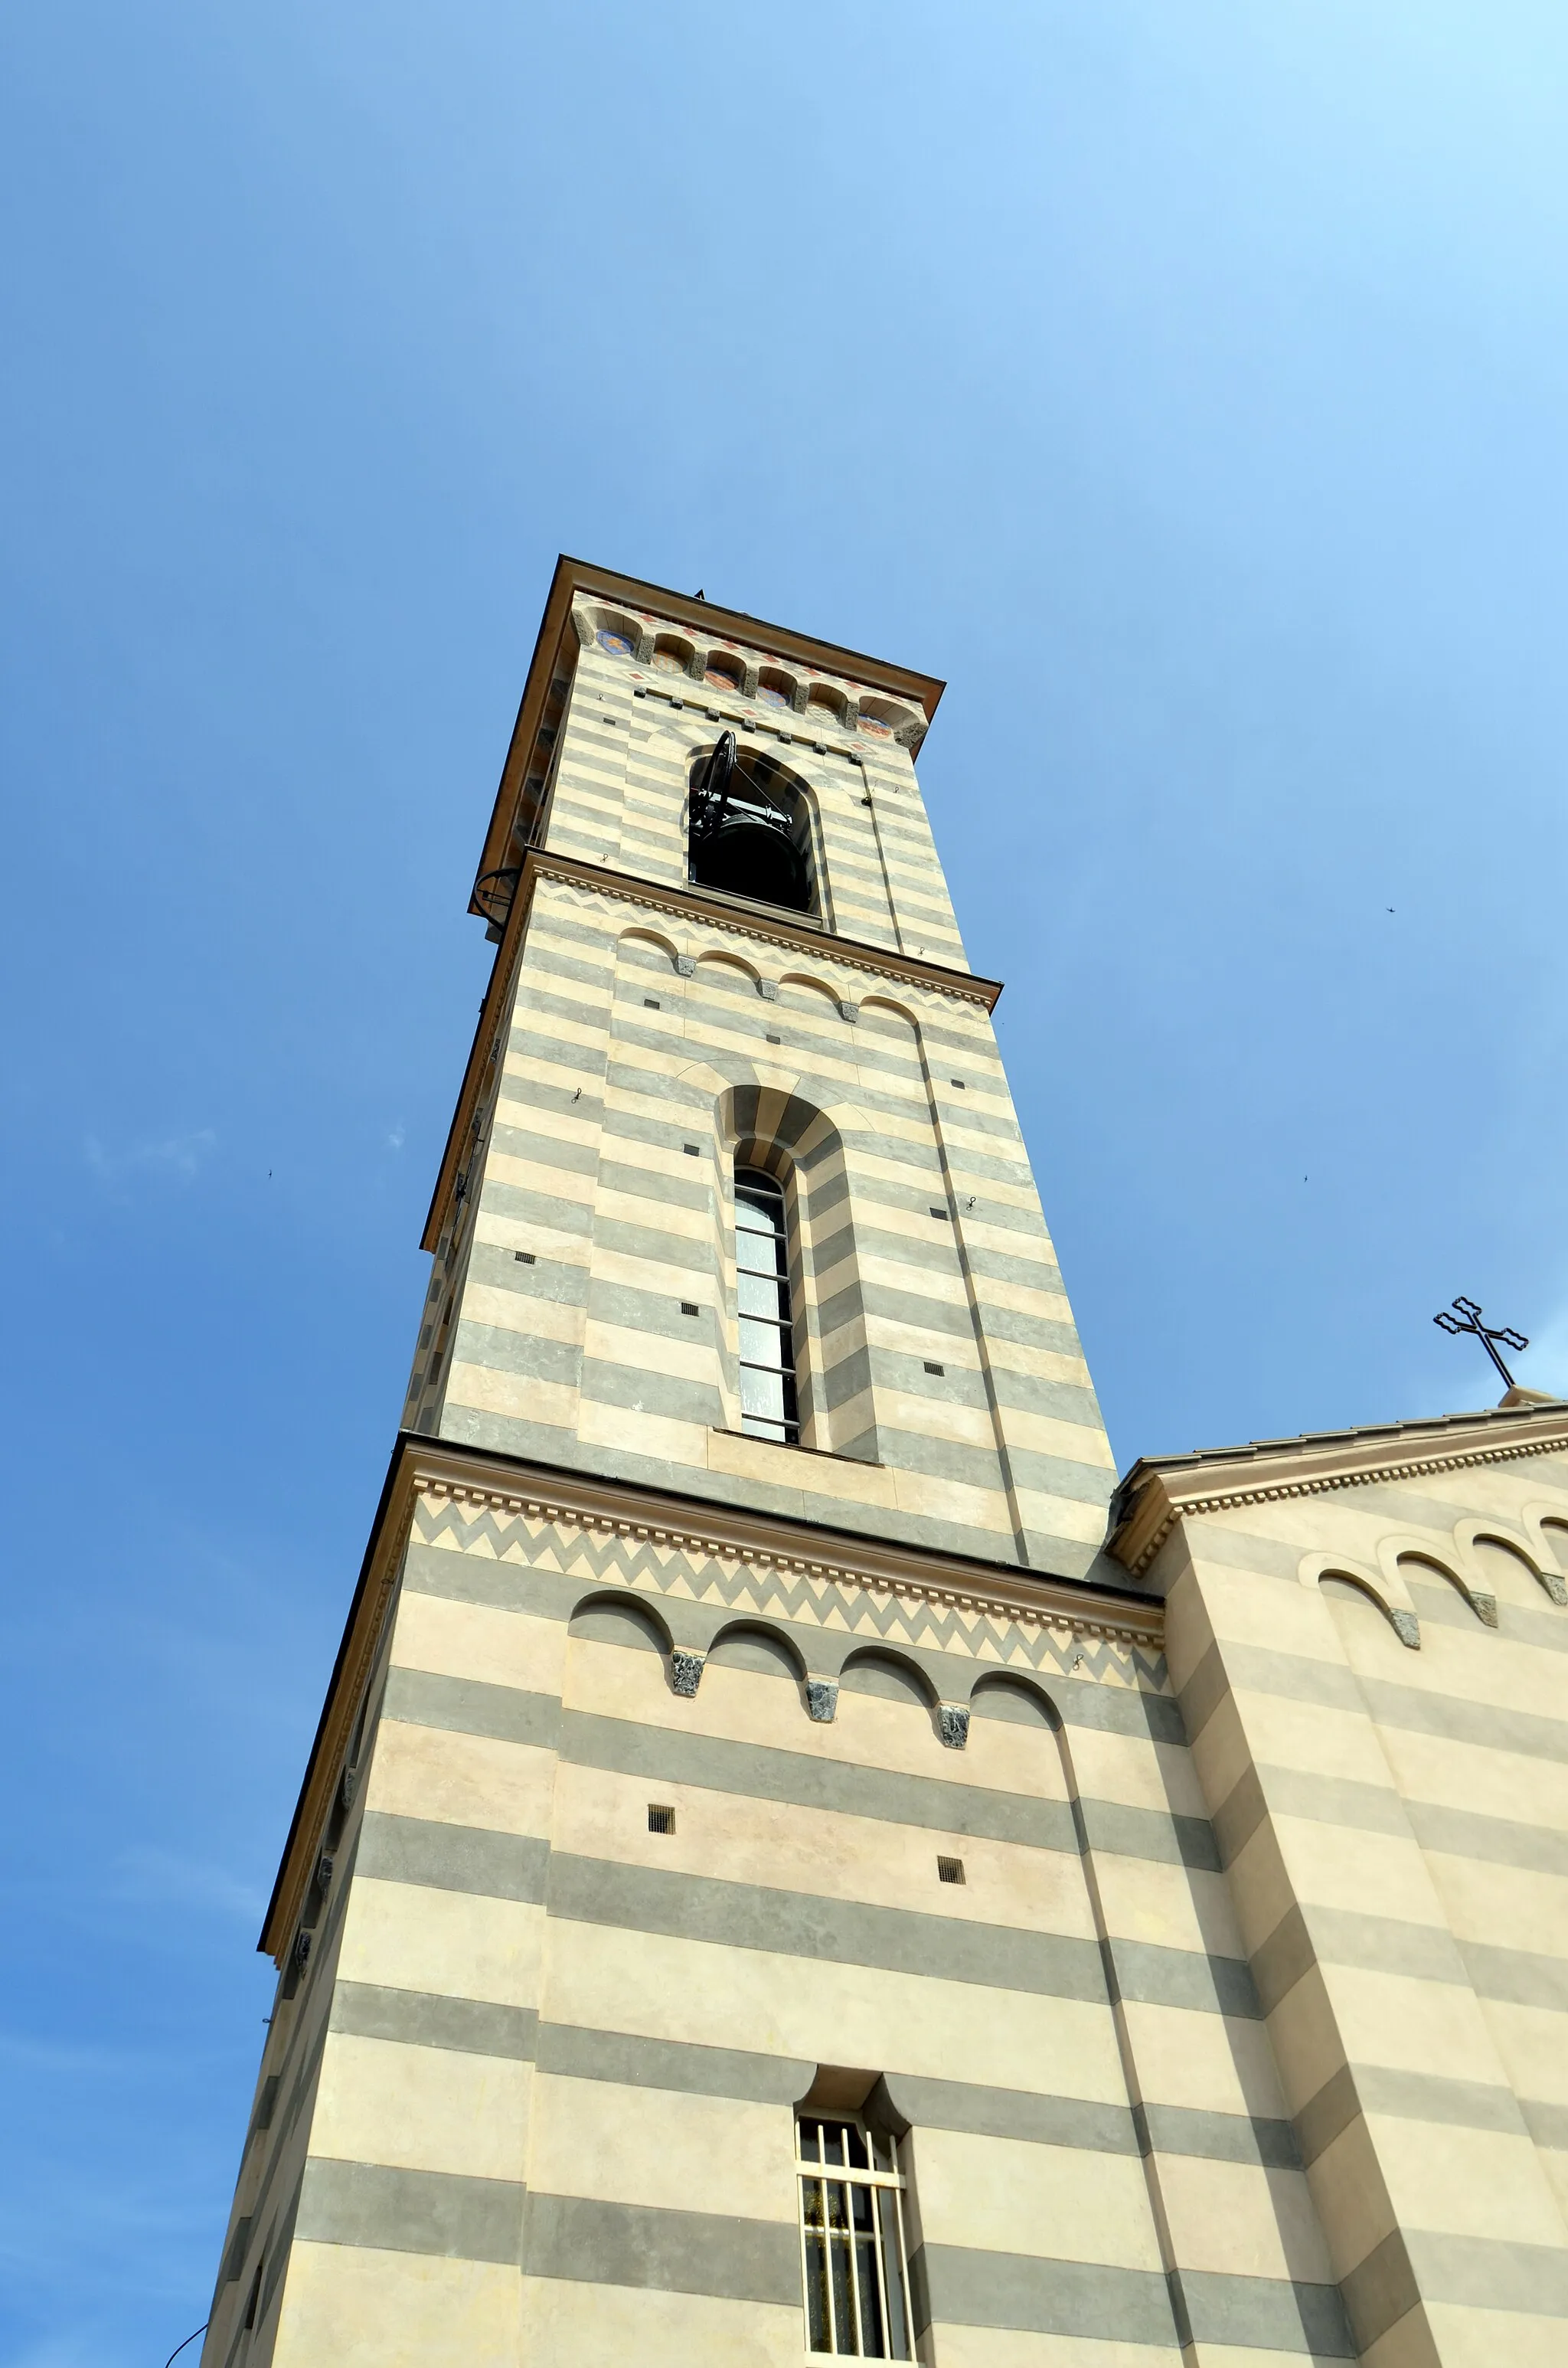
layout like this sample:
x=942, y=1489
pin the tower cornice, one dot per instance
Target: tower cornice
x=576, y=578
x=760, y=925
x=423, y=1467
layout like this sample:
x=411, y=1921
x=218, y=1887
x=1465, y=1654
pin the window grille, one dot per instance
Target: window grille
x=950, y=1869
x=853, y=2254
x=661, y=1819
x=768, y=1406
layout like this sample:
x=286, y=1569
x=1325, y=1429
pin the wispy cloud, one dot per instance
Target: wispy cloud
x=396, y=1138
x=160, y=1876
x=174, y=1156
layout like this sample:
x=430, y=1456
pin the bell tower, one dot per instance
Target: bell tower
x=723, y=934
x=690, y=1943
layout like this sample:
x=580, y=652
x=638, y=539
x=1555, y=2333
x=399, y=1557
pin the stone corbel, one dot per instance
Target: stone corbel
x=822, y=1699
x=1392, y=1550
x=685, y=1670
x=953, y=1724
x=1388, y=1591
x=1467, y=1533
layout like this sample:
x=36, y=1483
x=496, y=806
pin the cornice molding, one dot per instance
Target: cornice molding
x=575, y=578
x=446, y=1471
x=758, y=922
x=1157, y=1495
x=690, y=906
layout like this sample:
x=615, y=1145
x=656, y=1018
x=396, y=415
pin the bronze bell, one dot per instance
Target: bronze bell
x=747, y=858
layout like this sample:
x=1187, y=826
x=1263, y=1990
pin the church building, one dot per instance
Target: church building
x=797, y=1861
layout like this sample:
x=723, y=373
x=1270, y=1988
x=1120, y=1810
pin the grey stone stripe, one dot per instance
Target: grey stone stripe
x=472, y=1707
x=545, y=1150
x=1524, y=1733
x=1414, y=1709
x=370, y=2204
x=532, y=1354
x=1477, y=2272
x=1403, y=2095
x=639, y=1390
x=1262, y=2313
x=1338, y=1936
x=573, y=2052
x=1216, y=1541
x=1217, y=2137
x=452, y=1858
x=1381, y=2289
x=426, y=2019
x=674, y=2252
x=529, y=1207
x=761, y=1771
x=672, y=1251
x=561, y=1282
x=1149, y=1975
x=960, y=2286
x=982, y=2111
x=788, y=1923
x=896, y=1939
x=1517, y=1976
x=1262, y=1792
x=1548, y=2124
x=1496, y=1842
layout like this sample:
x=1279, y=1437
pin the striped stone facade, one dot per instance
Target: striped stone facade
x=1177, y=1875
x=640, y=1036
x=532, y=2099
x=1369, y=1641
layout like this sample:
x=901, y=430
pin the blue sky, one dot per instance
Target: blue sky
x=1184, y=384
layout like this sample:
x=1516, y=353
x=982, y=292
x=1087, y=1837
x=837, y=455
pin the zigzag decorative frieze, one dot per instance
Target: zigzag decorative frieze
x=658, y=1562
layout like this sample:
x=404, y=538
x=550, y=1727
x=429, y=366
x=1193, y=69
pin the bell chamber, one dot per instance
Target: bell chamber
x=749, y=832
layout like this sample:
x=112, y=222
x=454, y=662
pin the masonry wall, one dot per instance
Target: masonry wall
x=637, y=1059
x=552, y=2120
x=1392, y=1811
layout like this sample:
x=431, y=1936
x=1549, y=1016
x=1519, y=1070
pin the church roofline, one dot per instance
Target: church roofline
x=1160, y=1489
x=482, y=1476
x=575, y=576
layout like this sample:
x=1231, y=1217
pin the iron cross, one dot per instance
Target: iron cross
x=1468, y=1320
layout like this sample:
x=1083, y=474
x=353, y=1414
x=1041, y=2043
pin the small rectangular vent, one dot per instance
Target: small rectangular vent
x=930, y=1367
x=689, y=1307
x=650, y=1003
x=959, y=1082
x=662, y=1820
x=948, y=1870
x=525, y=1258
x=775, y=1040
x=691, y=1149
x=941, y=1213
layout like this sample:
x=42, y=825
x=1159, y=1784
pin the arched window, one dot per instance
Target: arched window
x=749, y=832
x=768, y=1406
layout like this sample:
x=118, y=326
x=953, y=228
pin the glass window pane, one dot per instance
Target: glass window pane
x=763, y=1394
x=761, y=1343
x=831, y=2141
x=757, y=1295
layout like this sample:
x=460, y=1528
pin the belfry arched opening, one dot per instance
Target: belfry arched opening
x=748, y=829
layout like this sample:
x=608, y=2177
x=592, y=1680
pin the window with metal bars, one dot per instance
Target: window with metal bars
x=769, y=1408
x=854, y=2257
